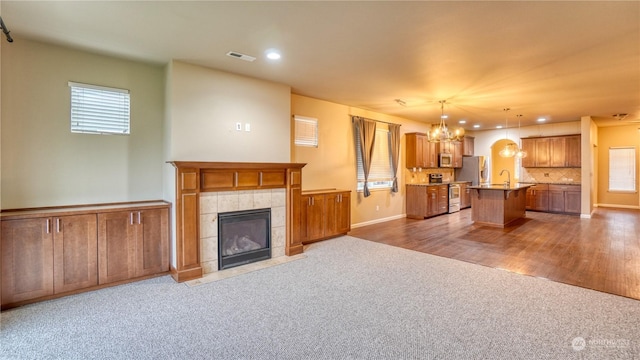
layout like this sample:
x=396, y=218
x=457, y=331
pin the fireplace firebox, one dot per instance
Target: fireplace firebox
x=243, y=237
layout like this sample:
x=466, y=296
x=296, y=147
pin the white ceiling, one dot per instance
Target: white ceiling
x=559, y=60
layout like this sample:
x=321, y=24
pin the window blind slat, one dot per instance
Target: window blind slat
x=622, y=169
x=306, y=131
x=100, y=110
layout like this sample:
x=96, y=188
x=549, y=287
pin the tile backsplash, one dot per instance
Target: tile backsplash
x=551, y=175
x=421, y=176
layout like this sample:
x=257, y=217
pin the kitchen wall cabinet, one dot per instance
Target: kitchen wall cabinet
x=132, y=244
x=468, y=143
x=420, y=153
x=553, y=151
x=538, y=197
x=454, y=148
x=425, y=201
x=565, y=198
x=324, y=214
x=54, y=251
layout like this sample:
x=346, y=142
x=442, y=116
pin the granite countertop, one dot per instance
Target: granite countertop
x=502, y=187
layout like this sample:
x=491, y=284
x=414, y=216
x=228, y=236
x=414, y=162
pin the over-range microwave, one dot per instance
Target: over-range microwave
x=445, y=160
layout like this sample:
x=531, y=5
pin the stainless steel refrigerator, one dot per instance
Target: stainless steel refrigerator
x=474, y=169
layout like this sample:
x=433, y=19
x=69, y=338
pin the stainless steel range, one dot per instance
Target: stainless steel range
x=454, y=198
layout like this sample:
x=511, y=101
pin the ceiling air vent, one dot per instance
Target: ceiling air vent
x=240, y=56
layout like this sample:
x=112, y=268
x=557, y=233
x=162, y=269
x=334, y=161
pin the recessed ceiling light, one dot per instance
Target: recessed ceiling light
x=273, y=54
x=476, y=126
x=462, y=121
x=499, y=127
x=542, y=119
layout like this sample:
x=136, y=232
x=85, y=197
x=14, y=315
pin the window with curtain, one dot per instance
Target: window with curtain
x=622, y=169
x=381, y=174
x=306, y=131
x=99, y=110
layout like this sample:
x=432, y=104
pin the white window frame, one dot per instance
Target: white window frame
x=381, y=174
x=306, y=131
x=99, y=110
x=622, y=169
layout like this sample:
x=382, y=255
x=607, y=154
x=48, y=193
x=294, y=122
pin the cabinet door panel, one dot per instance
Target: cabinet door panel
x=529, y=145
x=312, y=217
x=542, y=153
x=116, y=246
x=557, y=157
x=152, y=242
x=572, y=202
x=27, y=259
x=556, y=200
x=573, y=151
x=75, y=252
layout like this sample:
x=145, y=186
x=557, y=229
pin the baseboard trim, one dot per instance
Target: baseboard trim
x=376, y=221
x=634, y=207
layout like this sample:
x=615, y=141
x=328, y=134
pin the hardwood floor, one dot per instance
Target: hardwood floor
x=601, y=253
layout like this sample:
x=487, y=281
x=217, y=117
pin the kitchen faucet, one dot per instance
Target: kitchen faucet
x=508, y=183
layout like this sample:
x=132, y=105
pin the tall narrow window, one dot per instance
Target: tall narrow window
x=381, y=174
x=99, y=110
x=306, y=130
x=622, y=169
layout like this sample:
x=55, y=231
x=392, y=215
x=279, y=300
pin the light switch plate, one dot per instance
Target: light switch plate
x=247, y=127
x=238, y=126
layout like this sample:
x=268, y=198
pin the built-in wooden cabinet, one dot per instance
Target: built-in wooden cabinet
x=420, y=152
x=565, y=198
x=132, y=244
x=324, y=214
x=554, y=151
x=468, y=143
x=465, y=195
x=56, y=251
x=425, y=201
x=538, y=197
x=558, y=198
x=455, y=149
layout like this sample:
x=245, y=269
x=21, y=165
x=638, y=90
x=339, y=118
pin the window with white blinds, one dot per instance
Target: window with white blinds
x=99, y=110
x=306, y=131
x=622, y=169
x=381, y=174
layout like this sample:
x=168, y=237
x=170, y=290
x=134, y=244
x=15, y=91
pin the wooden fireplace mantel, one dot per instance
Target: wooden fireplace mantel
x=194, y=177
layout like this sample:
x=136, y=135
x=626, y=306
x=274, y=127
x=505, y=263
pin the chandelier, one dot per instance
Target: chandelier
x=440, y=132
x=511, y=148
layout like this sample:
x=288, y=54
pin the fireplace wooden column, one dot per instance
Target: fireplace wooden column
x=192, y=178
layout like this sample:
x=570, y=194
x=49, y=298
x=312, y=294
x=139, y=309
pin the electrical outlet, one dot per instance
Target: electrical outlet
x=238, y=126
x=546, y=174
x=377, y=207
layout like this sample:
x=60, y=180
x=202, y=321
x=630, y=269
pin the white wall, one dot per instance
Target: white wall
x=43, y=163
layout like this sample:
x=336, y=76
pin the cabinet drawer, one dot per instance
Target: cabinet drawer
x=554, y=187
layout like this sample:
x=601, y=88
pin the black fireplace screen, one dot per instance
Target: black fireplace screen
x=243, y=237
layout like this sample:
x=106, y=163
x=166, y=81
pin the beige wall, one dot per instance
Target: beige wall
x=615, y=136
x=43, y=163
x=332, y=164
x=202, y=108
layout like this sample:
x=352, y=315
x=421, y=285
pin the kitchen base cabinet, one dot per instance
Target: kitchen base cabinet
x=324, y=214
x=565, y=198
x=538, y=197
x=426, y=200
x=54, y=252
x=465, y=195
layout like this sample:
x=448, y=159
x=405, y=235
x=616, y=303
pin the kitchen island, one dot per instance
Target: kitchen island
x=498, y=205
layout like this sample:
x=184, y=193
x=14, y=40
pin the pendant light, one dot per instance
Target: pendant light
x=520, y=153
x=440, y=132
x=511, y=148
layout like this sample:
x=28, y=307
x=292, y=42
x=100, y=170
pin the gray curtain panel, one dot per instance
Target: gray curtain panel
x=394, y=131
x=365, y=130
